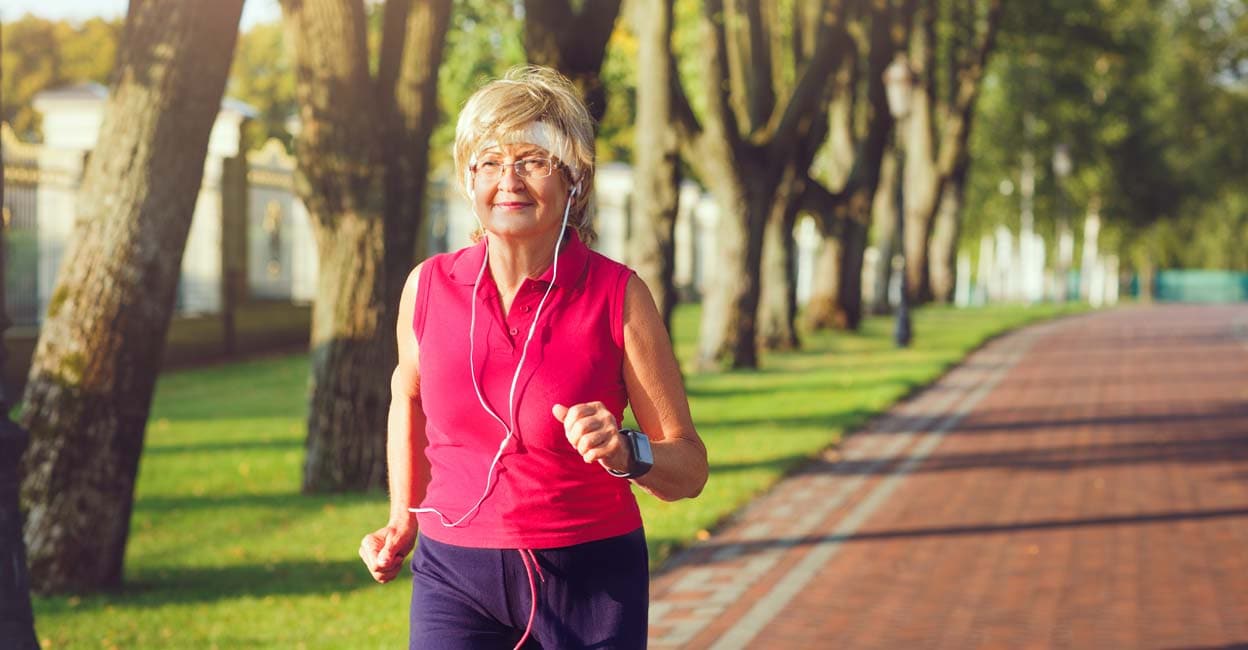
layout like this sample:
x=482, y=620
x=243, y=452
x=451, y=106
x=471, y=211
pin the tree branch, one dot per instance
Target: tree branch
x=761, y=81
x=393, y=40
x=719, y=115
x=970, y=77
x=832, y=42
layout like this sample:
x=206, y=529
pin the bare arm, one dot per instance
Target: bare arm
x=384, y=549
x=405, y=439
x=652, y=378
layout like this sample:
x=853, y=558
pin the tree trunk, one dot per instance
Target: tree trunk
x=17, y=620
x=367, y=229
x=729, y=311
x=945, y=233
x=91, y=380
x=574, y=43
x=744, y=163
x=931, y=161
x=849, y=299
x=340, y=149
x=412, y=45
x=656, y=173
x=350, y=357
x=852, y=207
x=825, y=286
x=884, y=227
x=777, y=314
x=922, y=188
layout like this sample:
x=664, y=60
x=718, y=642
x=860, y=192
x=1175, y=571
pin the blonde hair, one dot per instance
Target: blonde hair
x=502, y=111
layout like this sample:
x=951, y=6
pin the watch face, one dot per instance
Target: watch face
x=645, y=455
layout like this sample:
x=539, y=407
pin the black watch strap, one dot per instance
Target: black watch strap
x=640, y=455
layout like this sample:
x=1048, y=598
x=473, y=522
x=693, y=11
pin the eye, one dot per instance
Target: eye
x=489, y=166
x=537, y=166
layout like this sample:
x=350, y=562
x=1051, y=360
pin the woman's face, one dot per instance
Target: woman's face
x=511, y=205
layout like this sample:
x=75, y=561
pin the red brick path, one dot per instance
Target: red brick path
x=1077, y=484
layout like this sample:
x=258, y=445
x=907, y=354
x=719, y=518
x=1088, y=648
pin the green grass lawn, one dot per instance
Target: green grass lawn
x=225, y=553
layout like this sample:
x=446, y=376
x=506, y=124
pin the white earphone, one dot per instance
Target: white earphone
x=509, y=430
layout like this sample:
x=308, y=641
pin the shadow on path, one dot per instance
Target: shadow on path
x=757, y=546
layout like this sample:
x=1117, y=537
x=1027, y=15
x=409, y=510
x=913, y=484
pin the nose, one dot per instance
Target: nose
x=510, y=180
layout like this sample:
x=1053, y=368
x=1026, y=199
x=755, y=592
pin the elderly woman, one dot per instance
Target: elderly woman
x=517, y=357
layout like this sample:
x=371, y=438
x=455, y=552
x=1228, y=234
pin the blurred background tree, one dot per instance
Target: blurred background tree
x=41, y=54
x=1149, y=99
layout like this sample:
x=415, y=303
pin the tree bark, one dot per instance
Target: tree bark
x=572, y=42
x=95, y=365
x=17, y=620
x=350, y=356
x=656, y=173
x=945, y=233
x=777, y=316
x=884, y=229
x=730, y=308
x=407, y=89
x=821, y=309
x=366, y=223
x=339, y=150
x=853, y=250
x=744, y=166
x=939, y=129
x=855, y=202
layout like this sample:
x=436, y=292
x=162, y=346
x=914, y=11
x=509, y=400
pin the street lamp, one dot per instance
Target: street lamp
x=898, y=83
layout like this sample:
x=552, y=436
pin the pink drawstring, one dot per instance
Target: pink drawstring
x=527, y=556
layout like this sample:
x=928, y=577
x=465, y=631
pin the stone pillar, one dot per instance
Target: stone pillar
x=706, y=243
x=613, y=191
x=685, y=242
x=17, y=621
x=807, y=250
x=234, y=201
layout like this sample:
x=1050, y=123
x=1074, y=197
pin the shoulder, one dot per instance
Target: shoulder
x=639, y=305
x=605, y=269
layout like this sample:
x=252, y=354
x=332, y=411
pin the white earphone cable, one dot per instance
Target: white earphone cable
x=511, y=394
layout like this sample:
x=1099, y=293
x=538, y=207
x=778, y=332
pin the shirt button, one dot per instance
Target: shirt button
x=514, y=331
x=526, y=309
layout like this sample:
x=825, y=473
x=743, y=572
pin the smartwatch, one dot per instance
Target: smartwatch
x=641, y=456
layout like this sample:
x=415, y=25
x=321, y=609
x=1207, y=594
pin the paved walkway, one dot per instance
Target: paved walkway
x=1077, y=484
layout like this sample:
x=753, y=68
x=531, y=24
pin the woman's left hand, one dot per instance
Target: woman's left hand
x=593, y=432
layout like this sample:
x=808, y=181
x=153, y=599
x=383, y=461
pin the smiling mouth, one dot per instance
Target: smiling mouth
x=511, y=205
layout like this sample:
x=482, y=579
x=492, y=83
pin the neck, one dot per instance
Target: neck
x=513, y=260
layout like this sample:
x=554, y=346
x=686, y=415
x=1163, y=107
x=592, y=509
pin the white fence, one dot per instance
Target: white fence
x=41, y=183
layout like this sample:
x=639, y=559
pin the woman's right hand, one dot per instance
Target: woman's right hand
x=384, y=550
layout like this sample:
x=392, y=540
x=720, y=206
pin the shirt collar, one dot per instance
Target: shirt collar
x=573, y=257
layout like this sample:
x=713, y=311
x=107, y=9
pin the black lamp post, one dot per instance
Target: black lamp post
x=898, y=83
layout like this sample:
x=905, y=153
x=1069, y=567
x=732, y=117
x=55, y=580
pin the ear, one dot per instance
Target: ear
x=468, y=184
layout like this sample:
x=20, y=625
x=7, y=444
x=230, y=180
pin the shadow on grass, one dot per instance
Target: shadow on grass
x=780, y=464
x=286, y=502
x=218, y=446
x=842, y=421
x=806, y=385
x=156, y=588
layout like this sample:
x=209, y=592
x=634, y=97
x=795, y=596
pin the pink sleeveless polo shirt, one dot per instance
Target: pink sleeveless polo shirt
x=544, y=495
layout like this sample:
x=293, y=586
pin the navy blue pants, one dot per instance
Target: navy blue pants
x=592, y=595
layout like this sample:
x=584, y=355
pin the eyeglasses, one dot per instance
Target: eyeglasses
x=492, y=169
